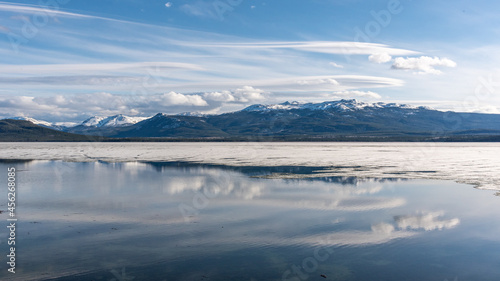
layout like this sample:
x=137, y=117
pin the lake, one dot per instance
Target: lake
x=180, y=214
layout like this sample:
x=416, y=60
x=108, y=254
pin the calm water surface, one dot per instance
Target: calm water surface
x=179, y=221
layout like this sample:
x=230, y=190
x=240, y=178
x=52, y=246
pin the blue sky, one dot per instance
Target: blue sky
x=66, y=60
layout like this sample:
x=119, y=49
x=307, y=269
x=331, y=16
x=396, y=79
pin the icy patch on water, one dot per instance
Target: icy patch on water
x=471, y=163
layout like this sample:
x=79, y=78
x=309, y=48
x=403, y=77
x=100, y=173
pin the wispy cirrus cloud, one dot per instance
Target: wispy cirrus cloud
x=226, y=71
x=92, y=68
x=52, y=9
x=150, y=84
x=192, y=62
x=327, y=83
x=326, y=47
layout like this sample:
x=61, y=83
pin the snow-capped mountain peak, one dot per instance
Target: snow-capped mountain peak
x=34, y=121
x=341, y=105
x=120, y=120
x=112, y=121
x=56, y=125
x=281, y=106
x=92, y=121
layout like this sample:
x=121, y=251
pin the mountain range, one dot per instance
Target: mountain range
x=294, y=120
x=21, y=130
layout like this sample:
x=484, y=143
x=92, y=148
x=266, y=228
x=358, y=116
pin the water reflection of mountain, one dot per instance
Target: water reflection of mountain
x=247, y=170
x=281, y=172
x=273, y=186
x=15, y=161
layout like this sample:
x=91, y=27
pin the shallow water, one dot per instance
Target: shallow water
x=182, y=221
x=473, y=163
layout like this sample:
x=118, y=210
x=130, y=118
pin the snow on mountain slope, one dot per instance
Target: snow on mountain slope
x=92, y=121
x=120, y=120
x=56, y=126
x=34, y=121
x=342, y=105
x=112, y=121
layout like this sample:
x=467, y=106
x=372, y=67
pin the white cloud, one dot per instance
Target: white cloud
x=429, y=221
x=78, y=107
x=336, y=65
x=244, y=94
x=168, y=4
x=355, y=93
x=380, y=58
x=173, y=98
x=423, y=64
x=222, y=96
x=249, y=94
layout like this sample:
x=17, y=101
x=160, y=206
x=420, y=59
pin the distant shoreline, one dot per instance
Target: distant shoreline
x=486, y=138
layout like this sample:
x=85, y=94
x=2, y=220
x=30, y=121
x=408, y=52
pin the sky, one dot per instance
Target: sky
x=67, y=60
